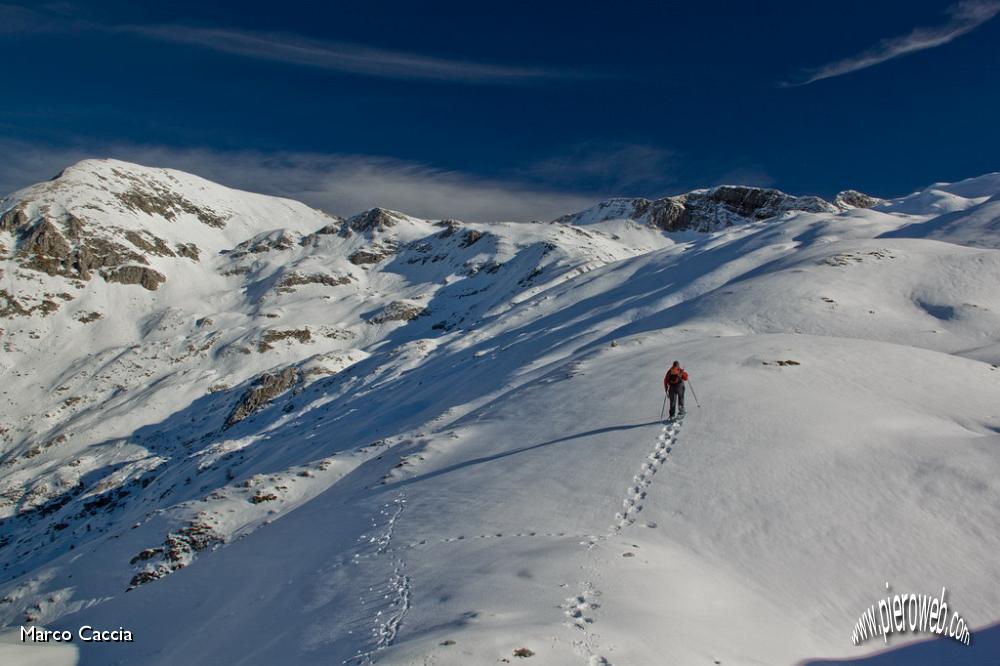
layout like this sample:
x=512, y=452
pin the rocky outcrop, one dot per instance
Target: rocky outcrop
x=332, y=229
x=666, y=214
x=703, y=210
x=45, y=242
x=177, y=552
x=725, y=206
x=74, y=228
x=303, y=335
x=398, y=311
x=13, y=219
x=73, y=253
x=375, y=219
x=854, y=199
x=291, y=280
x=149, y=243
x=450, y=227
x=470, y=237
x=371, y=255
x=275, y=241
x=153, y=198
x=267, y=387
x=10, y=307
x=141, y=275
x=189, y=250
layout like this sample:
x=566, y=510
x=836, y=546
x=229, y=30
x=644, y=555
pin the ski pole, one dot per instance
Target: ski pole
x=664, y=408
x=695, y=395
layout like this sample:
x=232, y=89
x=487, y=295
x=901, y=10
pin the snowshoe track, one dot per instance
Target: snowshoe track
x=579, y=609
x=390, y=600
x=636, y=493
x=394, y=596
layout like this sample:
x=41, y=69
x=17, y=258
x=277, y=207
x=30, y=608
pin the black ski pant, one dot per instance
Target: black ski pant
x=676, y=393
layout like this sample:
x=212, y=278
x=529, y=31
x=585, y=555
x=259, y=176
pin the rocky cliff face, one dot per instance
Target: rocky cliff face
x=854, y=199
x=715, y=208
x=61, y=244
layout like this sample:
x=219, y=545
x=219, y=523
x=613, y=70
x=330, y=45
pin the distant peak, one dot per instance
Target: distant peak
x=102, y=165
x=375, y=219
x=702, y=210
x=855, y=199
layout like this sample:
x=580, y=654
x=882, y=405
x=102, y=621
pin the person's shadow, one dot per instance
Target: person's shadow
x=514, y=452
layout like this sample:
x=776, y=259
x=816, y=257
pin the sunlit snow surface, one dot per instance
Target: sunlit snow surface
x=493, y=474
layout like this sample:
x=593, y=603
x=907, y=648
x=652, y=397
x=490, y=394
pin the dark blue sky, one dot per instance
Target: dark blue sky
x=410, y=104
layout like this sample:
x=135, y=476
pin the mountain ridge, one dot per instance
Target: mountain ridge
x=356, y=386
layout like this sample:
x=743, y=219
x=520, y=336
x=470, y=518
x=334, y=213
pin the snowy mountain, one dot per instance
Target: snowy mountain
x=248, y=431
x=716, y=208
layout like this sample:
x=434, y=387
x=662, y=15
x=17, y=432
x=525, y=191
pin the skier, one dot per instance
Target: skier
x=673, y=384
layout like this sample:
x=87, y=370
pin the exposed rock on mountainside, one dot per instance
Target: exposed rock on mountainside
x=268, y=338
x=338, y=226
x=43, y=247
x=267, y=387
x=375, y=219
x=189, y=250
x=13, y=219
x=372, y=254
x=140, y=275
x=176, y=552
x=149, y=243
x=270, y=242
x=450, y=227
x=9, y=306
x=398, y=311
x=470, y=238
x=295, y=279
x=153, y=197
x=702, y=210
x=855, y=199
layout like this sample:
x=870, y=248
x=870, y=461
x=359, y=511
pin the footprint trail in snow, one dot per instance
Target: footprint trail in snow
x=391, y=599
x=579, y=609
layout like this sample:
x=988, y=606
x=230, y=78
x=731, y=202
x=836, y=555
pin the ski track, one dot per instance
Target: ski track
x=579, y=609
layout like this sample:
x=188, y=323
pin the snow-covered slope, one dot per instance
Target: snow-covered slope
x=394, y=440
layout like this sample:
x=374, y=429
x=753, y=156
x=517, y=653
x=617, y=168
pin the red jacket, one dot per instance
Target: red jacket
x=680, y=376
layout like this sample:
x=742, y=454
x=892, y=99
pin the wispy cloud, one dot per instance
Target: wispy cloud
x=620, y=169
x=964, y=17
x=343, y=184
x=344, y=57
x=346, y=184
x=751, y=174
x=291, y=49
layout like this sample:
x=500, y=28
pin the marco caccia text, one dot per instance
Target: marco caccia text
x=86, y=634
